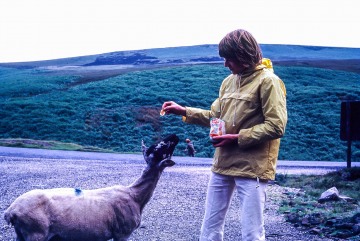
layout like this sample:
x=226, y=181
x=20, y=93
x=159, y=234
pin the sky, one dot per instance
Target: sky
x=32, y=30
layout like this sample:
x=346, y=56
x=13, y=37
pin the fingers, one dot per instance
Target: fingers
x=170, y=107
x=217, y=144
x=167, y=104
x=220, y=143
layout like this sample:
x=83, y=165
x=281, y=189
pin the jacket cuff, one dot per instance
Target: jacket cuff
x=188, y=114
x=245, y=139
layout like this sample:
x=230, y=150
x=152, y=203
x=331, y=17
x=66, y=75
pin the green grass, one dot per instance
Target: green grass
x=118, y=112
x=51, y=145
x=345, y=180
x=303, y=201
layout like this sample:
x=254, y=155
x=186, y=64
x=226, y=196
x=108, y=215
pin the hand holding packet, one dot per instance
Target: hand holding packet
x=217, y=128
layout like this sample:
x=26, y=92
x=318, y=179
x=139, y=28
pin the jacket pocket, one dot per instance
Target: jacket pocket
x=242, y=101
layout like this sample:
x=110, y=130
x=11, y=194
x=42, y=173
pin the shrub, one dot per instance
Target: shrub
x=42, y=105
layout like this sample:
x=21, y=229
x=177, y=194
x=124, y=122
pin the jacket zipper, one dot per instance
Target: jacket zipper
x=236, y=99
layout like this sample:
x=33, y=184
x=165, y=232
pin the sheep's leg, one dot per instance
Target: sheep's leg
x=19, y=236
x=36, y=237
x=120, y=239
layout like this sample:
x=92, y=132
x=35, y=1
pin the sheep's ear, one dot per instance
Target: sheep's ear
x=166, y=163
x=143, y=148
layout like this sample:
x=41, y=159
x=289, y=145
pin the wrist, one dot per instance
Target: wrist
x=234, y=137
x=183, y=111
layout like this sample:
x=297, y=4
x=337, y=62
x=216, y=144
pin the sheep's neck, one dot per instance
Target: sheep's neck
x=143, y=188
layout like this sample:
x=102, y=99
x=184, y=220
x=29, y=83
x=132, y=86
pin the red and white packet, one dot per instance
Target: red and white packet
x=217, y=127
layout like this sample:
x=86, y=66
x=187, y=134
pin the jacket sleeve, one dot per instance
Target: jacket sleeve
x=200, y=116
x=273, y=104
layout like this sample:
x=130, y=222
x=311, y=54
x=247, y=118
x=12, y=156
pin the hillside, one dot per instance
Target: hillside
x=112, y=100
x=196, y=54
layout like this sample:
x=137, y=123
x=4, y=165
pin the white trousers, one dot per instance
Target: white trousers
x=219, y=194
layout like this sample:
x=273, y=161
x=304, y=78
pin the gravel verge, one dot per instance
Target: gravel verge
x=174, y=212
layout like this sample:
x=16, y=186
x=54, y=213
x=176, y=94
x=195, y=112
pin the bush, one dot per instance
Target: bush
x=118, y=112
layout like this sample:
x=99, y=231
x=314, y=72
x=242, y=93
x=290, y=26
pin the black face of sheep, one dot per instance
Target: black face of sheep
x=161, y=152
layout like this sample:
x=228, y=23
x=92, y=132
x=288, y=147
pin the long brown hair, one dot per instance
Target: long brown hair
x=241, y=46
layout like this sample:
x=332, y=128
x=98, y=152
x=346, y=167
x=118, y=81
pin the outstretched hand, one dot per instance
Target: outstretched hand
x=224, y=140
x=170, y=107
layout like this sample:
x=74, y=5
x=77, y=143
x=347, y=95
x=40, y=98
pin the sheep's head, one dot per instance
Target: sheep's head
x=160, y=153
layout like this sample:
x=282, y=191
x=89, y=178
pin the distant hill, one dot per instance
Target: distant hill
x=112, y=101
x=280, y=54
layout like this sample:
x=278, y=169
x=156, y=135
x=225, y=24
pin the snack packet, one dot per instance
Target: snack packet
x=217, y=127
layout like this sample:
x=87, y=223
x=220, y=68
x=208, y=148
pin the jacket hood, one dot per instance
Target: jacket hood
x=265, y=64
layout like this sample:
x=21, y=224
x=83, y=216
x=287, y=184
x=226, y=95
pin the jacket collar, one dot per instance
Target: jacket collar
x=265, y=64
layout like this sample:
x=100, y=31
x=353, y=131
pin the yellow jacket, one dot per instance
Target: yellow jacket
x=253, y=105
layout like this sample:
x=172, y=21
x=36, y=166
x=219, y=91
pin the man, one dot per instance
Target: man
x=190, y=148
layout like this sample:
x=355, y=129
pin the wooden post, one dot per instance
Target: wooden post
x=348, y=134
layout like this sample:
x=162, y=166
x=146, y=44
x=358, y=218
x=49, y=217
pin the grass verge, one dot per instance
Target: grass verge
x=51, y=145
x=337, y=218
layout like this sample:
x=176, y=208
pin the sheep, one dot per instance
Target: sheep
x=91, y=215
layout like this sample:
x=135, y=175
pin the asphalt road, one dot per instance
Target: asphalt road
x=284, y=166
